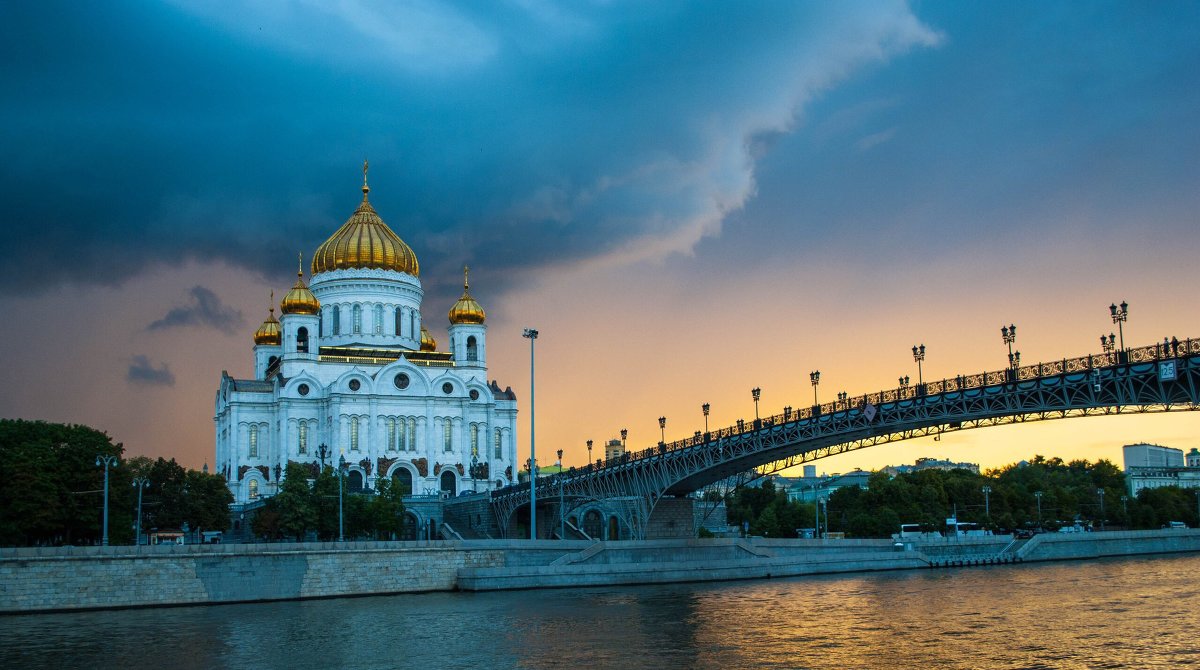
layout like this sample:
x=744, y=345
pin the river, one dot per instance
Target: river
x=1113, y=613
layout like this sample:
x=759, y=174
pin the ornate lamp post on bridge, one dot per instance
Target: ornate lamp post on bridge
x=704, y=408
x=624, y=435
x=815, y=378
x=139, y=483
x=662, y=427
x=919, y=357
x=1108, y=344
x=756, y=393
x=1038, y=495
x=1009, y=333
x=589, y=443
x=1120, y=314
x=531, y=334
x=562, y=520
x=107, y=461
x=903, y=382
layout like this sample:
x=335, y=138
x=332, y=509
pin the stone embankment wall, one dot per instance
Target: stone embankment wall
x=74, y=578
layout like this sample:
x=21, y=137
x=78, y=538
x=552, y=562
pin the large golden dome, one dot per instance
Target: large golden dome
x=300, y=300
x=268, y=332
x=365, y=241
x=467, y=310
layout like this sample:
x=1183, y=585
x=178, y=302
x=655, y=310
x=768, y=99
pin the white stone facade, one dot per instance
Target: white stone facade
x=359, y=383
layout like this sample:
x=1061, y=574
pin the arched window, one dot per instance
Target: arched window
x=354, y=481
x=499, y=443
x=474, y=439
x=253, y=451
x=302, y=439
x=337, y=319
x=391, y=434
x=377, y=319
x=447, y=435
x=614, y=530
x=404, y=481
x=354, y=433
x=356, y=316
x=449, y=483
x=302, y=340
x=413, y=329
x=253, y=488
x=412, y=434
x=472, y=349
x=399, y=323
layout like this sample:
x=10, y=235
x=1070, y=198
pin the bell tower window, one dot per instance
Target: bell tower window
x=302, y=340
x=472, y=349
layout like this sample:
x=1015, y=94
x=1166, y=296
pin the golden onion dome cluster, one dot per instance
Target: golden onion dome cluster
x=300, y=300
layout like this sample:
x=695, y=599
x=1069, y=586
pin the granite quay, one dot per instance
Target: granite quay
x=82, y=578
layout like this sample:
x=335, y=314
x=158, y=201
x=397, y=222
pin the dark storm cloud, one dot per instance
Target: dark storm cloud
x=206, y=309
x=510, y=137
x=143, y=372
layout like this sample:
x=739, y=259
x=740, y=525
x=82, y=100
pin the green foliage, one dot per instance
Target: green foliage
x=298, y=509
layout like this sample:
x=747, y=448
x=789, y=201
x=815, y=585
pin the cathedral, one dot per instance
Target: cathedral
x=349, y=373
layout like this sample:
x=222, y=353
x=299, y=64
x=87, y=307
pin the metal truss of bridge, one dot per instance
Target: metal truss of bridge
x=1159, y=378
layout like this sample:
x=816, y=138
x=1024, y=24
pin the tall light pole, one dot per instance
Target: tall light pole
x=341, y=517
x=323, y=453
x=1125, y=508
x=1009, y=333
x=704, y=408
x=562, y=520
x=139, y=483
x=756, y=394
x=589, y=443
x=1100, y=492
x=1120, y=314
x=531, y=334
x=816, y=514
x=919, y=357
x=987, y=505
x=624, y=435
x=662, y=427
x=815, y=378
x=1038, y=495
x=107, y=461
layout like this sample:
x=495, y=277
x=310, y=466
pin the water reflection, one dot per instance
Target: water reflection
x=1128, y=613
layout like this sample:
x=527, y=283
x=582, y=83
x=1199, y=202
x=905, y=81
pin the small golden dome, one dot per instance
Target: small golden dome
x=365, y=241
x=268, y=332
x=427, y=341
x=300, y=300
x=466, y=310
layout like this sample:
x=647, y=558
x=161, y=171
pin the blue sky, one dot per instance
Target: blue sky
x=663, y=160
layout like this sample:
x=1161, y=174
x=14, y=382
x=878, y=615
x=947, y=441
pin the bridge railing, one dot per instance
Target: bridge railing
x=1168, y=349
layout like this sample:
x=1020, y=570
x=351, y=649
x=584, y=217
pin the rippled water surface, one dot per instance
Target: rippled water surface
x=1126, y=613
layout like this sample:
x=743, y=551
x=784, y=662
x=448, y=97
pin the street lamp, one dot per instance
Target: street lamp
x=1108, y=343
x=1120, y=314
x=1100, y=492
x=662, y=427
x=919, y=357
x=624, y=434
x=139, y=483
x=323, y=453
x=531, y=334
x=589, y=443
x=1038, y=495
x=475, y=469
x=987, y=506
x=562, y=521
x=1125, y=508
x=756, y=393
x=704, y=408
x=341, y=517
x=903, y=382
x=105, y=460
x=815, y=378
x=1009, y=333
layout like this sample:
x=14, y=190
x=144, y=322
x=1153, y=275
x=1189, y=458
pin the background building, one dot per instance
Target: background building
x=1155, y=466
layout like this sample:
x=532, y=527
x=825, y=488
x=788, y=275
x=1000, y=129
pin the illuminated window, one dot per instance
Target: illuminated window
x=447, y=436
x=253, y=486
x=354, y=433
x=412, y=434
x=302, y=445
x=253, y=441
x=377, y=319
x=356, y=315
x=499, y=444
x=337, y=319
x=391, y=438
x=474, y=439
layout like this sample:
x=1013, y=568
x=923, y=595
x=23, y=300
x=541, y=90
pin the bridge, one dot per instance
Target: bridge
x=1159, y=378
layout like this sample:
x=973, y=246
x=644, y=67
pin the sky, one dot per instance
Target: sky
x=687, y=200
